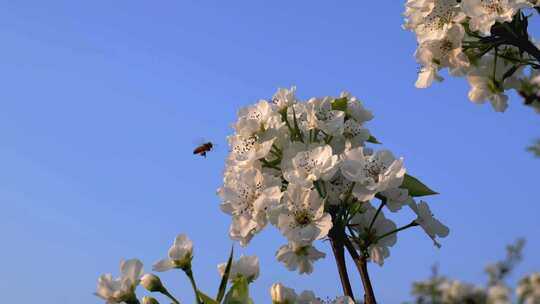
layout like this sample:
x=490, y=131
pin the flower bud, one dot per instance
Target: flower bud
x=152, y=283
x=149, y=300
x=282, y=295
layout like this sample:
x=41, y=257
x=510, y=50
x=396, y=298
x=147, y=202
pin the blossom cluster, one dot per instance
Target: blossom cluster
x=305, y=167
x=485, y=41
x=447, y=291
x=439, y=289
x=239, y=273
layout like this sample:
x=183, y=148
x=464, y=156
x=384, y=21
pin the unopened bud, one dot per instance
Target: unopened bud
x=149, y=300
x=152, y=283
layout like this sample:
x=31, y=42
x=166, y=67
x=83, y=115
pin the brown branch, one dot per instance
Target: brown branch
x=361, y=265
x=339, y=254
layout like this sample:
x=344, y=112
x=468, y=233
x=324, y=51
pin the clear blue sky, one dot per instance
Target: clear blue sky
x=102, y=102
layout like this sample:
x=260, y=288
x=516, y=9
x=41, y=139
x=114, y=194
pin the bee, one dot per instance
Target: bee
x=203, y=149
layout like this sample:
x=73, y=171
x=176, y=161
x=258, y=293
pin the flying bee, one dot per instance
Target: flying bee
x=203, y=149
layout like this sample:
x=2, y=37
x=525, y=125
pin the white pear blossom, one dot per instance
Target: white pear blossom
x=246, y=195
x=485, y=81
x=372, y=173
x=498, y=294
x=432, y=19
x=458, y=292
x=245, y=266
x=321, y=116
x=355, y=109
x=378, y=249
x=434, y=55
x=343, y=300
x=431, y=225
x=247, y=149
x=484, y=13
x=311, y=165
x=121, y=289
x=284, y=98
x=298, y=112
x=257, y=118
x=304, y=220
x=396, y=198
x=308, y=297
x=282, y=295
x=354, y=132
x=179, y=255
x=528, y=290
x=299, y=256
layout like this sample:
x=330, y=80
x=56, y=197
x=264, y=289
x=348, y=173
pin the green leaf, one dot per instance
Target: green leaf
x=416, y=187
x=206, y=299
x=239, y=292
x=340, y=104
x=373, y=140
x=225, y=278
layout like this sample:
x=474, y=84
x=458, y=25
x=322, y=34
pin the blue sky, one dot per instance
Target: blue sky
x=103, y=102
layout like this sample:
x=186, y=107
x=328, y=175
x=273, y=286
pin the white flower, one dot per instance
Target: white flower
x=484, y=13
x=298, y=112
x=445, y=52
x=431, y=225
x=179, y=255
x=343, y=300
x=458, y=292
x=121, y=289
x=396, y=198
x=321, y=116
x=528, y=289
x=282, y=295
x=304, y=220
x=247, y=194
x=378, y=250
x=284, y=98
x=246, y=266
x=299, y=256
x=372, y=173
x=308, y=297
x=257, y=118
x=355, y=109
x=247, y=149
x=431, y=19
x=355, y=133
x=311, y=165
x=498, y=294
x=484, y=87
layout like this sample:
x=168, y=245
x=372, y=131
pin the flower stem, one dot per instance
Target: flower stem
x=412, y=224
x=189, y=274
x=361, y=265
x=383, y=202
x=339, y=255
x=170, y=296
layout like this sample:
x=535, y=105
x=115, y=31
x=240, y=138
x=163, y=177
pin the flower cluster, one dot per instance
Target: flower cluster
x=439, y=289
x=485, y=41
x=305, y=168
x=528, y=290
x=238, y=273
x=446, y=291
